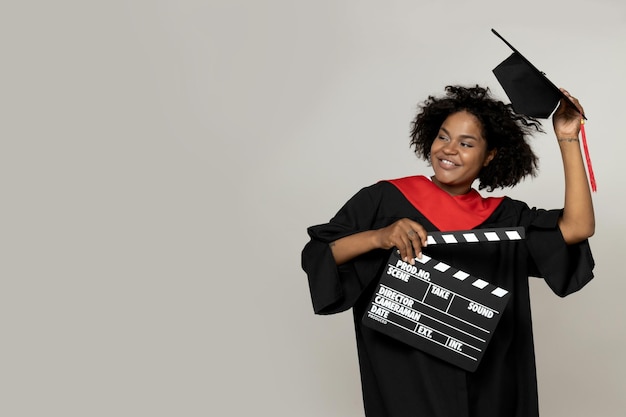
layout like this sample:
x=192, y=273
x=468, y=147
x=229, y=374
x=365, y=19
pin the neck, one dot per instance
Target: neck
x=452, y=190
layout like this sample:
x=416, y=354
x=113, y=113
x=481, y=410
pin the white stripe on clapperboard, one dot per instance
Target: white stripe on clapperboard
x=461, y=275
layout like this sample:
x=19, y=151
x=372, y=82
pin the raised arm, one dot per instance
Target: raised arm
x=578, y=220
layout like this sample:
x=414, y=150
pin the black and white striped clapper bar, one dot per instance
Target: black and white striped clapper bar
x=478, y=235
x=437, y=308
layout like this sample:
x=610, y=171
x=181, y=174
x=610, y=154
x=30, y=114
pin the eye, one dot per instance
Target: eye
x=467, y=145
x=442, y=137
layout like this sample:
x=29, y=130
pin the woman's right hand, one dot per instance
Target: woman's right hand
x=406, y=235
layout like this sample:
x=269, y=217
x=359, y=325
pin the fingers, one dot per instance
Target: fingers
x=412, y=244
x=574, y=100
x=408, y=236
x=408, y=252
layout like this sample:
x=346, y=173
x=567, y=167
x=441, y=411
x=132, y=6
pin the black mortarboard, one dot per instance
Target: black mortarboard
x=530, y=91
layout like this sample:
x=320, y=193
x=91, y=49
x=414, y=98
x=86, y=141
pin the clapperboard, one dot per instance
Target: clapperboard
x=437, y=308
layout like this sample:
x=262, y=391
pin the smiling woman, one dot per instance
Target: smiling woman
x=504, y=131
x=467, y=136
x=459, y=153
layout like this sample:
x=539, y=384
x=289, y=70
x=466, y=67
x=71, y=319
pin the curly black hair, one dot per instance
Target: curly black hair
x=504, y=130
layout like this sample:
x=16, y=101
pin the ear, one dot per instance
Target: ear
x=490, y=155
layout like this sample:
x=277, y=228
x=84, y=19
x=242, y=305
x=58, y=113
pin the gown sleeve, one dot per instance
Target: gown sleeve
x=336, y=288
x=565, y=268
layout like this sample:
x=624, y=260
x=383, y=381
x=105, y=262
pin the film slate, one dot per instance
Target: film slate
x=437, y=308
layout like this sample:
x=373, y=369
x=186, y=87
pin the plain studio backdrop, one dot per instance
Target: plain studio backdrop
x=161, y=161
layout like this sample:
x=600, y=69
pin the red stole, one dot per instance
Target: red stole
x=446, y=212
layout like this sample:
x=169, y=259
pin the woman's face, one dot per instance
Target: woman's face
x=459, y=152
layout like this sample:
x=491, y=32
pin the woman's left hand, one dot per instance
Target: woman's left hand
x=566, y=119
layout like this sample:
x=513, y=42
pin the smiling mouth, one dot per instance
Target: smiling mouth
x=447, y=162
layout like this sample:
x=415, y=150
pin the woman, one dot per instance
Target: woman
x=466, y=135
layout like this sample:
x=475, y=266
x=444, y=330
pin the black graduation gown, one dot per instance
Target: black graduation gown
x=398, y=380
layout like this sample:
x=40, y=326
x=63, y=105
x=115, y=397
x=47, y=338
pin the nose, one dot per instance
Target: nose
x=450, y=147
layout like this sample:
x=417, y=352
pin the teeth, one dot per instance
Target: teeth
x=445, y=161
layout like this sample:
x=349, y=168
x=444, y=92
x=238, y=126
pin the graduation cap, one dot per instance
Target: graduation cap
x=530, y=91
x=533, y=94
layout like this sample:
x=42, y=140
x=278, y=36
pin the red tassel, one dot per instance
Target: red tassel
x=592, y=178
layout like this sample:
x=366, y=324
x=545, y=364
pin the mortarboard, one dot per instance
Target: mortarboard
x=530, y=91
x=533, y=94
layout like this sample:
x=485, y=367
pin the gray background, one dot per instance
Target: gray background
x=161, y=161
